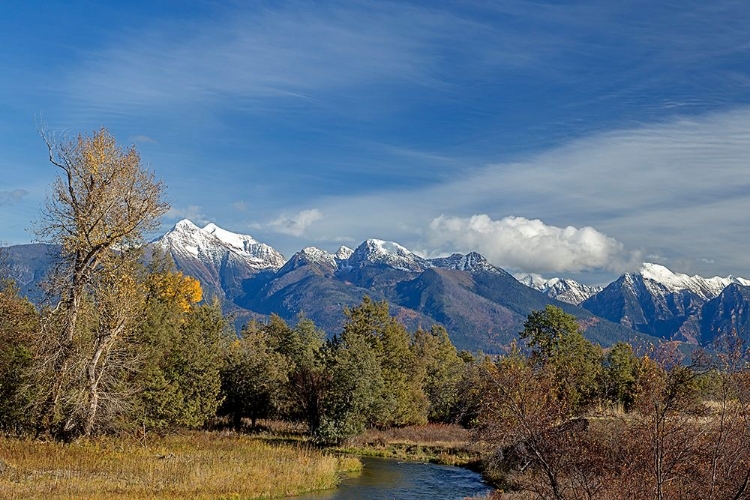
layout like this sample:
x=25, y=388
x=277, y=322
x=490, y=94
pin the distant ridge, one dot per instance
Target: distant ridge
x=482, y=306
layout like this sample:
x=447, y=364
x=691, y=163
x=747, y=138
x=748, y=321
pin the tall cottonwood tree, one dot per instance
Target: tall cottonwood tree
x=101, y=204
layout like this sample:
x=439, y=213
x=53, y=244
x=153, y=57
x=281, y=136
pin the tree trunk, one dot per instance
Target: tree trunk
x=237, y=422
x=95, y=370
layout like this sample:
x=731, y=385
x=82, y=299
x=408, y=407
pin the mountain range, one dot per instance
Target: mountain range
x=482, y=306
x=658, y=302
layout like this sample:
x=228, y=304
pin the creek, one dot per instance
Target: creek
x=388, y=479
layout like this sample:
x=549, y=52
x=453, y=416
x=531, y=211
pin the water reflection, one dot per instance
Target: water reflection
x=385, y=479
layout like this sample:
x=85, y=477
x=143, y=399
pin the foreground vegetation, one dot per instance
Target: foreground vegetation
x=187, y=465
x=435, y=443
x=563, y=425
x=125, y=348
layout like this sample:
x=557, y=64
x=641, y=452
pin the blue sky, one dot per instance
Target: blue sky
x=565, y=138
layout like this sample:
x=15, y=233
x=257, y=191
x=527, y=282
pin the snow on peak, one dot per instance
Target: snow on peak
x=212, y=242
x=238, y=241
x=392, y=254
x=381, y=247
x=315, y=254
x=343, y=253
x=657, y=272
x=706, y=288
x=185, y=225
x=185, y=236
x=532, y=280
x=310, y=255
x=562, y=289
x=472, y=261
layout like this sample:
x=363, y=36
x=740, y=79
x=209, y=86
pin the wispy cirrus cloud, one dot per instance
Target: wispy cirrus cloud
x=296, y=224
x=194, y=213
x=12, y=197
x=143, y=139
x=680, y=190
x=274, y=52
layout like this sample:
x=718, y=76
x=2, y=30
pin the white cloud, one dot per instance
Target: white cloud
x=12, y=197
x=143, y=139
x=679, y=190
x=296, y=225
x=531, y=245
x=193, y=212
x=240, y=206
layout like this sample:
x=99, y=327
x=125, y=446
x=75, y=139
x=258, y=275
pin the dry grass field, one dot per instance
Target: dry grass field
x=190, y=465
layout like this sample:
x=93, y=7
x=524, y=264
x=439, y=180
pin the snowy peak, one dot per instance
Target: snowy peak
x=184, y=225
x=343, y=253
x=239, y=241
x=389, y=253
x=472, y=262
x=658, y=278
x=213, y=243
x=187, y=239
x=533, y=280
x=313, y=254
x=563, y=289
x=247, y=245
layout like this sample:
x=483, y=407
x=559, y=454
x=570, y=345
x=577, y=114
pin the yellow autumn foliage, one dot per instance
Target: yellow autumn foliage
x=175, y=286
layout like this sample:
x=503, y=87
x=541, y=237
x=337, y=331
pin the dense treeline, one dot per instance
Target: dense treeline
x=373, y=374
x=181, y=365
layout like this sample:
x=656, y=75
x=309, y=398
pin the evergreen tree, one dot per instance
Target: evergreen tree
x=356, y=383
x=181, y=347
x=19, y=323
x=557, y=344
x=402, y=400
x=621, y=372
x=253, y=377
x=308, y=378
x=443, y=371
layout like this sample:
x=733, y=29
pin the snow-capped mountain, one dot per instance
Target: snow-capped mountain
x=309, y=256
x=214, y=244
x=661, y=279
x=343, y=253
x=482, y=306
x=657, y=301
x=263, y=256
x=220, y=259
x=387, y=253
x=563, y=289
x=727, y=314
x=472, y=262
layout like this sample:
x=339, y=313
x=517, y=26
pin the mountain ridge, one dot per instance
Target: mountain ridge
x=483, y=306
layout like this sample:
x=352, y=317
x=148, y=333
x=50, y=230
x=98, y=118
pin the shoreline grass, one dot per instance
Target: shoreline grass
x=434, y=443
x=198, y=465
x=277, y=462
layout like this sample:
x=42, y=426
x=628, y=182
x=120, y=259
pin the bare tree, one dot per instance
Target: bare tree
x=100, y=206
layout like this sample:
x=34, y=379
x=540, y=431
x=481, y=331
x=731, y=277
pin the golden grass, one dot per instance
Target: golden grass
x=198, y=465
x=438, y=443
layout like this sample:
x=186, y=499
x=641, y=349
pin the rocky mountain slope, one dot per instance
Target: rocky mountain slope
x=664, y=304
x=220, y=259
x=562, y=289
x=483, y=307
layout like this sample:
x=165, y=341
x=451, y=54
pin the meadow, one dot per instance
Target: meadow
x=196, y=464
